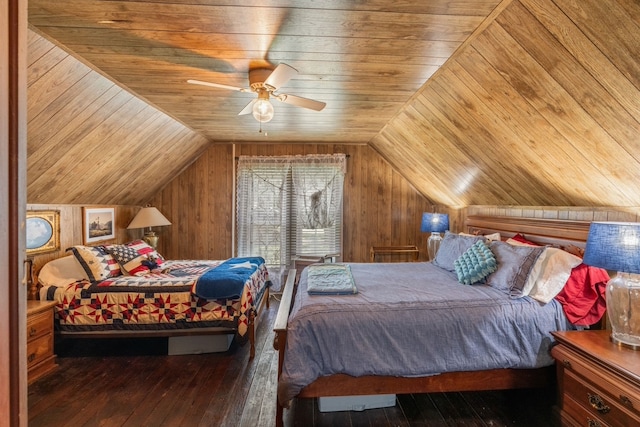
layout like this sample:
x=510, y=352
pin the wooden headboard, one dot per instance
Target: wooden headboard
x=540, y=230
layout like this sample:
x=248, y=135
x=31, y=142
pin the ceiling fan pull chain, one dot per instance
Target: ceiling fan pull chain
x=260, y=130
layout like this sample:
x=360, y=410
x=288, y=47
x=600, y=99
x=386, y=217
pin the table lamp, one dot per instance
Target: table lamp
x=434, y=223
x=615, y=246
x=146, y=218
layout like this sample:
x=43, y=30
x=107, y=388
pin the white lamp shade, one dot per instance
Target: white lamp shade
x=148, y=217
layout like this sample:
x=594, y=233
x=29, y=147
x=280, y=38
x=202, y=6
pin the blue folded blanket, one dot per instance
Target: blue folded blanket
x=330, y=279
x=227, y=280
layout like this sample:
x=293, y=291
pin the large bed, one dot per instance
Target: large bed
x=131, y=291
x=414, y=328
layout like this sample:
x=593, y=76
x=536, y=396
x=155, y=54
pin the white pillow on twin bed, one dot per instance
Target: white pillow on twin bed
x=61, y=272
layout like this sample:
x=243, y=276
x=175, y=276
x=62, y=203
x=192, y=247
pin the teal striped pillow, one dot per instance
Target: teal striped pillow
x=475, y=264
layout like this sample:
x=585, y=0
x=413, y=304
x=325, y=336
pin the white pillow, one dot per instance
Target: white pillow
x=516, y=243
x=535, y=272
x=61, y=272
x=494, y=237
x=553, y=269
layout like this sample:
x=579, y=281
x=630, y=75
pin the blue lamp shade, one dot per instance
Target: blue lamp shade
x=614, y=246
x=434, y=223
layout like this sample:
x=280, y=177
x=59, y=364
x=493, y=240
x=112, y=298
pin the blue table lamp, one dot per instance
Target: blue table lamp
x=434, y=223
x=615, y=246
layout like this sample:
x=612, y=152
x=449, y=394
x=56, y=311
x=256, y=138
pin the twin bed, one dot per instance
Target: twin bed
x=131, y=291
x=415, y=328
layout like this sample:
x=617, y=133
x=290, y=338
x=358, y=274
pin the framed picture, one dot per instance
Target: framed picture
x=98, y=224
x=43, y=232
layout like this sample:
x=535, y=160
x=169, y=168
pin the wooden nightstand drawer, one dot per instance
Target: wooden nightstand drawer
x=596, y=403
x=577, y=415
x=39, y=324
x=39, y=350
x=620, y=393
x=40, y=357
x=598, y=381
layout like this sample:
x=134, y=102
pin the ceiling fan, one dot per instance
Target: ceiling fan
x=265, y=82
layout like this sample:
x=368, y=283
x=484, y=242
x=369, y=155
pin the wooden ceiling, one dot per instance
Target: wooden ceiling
x=364, y=59
x=541, y=108
x=523, y=102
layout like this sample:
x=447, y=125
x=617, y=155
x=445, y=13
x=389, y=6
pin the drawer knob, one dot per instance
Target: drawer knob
x=593, y=423
x=626, y=401
x=31, y=357
x=32, y=331
x=566, y=363
x=598, y=404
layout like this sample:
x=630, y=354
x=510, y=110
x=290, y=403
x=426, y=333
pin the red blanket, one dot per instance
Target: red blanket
x=583, y=296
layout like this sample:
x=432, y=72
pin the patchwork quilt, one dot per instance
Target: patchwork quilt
x=162, y=299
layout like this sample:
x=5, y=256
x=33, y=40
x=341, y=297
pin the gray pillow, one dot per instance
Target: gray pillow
x=514, y=265
x=452, y=247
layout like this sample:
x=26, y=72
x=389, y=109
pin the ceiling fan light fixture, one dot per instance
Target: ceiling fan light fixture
x=263, y=110
x=264, y=82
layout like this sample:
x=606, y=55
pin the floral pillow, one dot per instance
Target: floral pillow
x=137, y=258
x=97, y=262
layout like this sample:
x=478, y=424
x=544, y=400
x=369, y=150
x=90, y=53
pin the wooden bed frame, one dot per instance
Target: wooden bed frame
x=545, y=231
x=34, y=291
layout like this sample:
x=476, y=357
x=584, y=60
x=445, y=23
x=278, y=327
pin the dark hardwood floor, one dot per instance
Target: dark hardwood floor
x=133, y=383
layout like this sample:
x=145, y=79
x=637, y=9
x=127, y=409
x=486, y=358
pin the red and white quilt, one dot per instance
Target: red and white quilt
x=161, y=299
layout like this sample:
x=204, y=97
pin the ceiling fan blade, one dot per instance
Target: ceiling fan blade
x=248, y=109
x=299, y=101
x=281, y=75
x=217, y=85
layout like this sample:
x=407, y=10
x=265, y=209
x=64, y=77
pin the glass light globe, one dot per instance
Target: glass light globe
x=263, y=110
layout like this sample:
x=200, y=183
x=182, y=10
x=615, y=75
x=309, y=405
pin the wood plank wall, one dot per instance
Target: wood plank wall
x=380, y=206
x=71, y=228
x=585, y=213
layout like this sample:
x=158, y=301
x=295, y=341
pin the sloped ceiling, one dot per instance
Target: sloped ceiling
x=365, y=59
x=91, y=142
x=541, y=108
x=529, y=102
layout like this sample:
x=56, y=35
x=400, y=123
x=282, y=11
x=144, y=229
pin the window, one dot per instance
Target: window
x=288, y=206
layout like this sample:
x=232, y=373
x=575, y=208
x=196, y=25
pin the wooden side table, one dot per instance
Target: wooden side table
x=410, y=250
x=598, y=381
x=40, y=357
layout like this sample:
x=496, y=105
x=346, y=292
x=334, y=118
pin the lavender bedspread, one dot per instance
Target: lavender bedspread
x=413, y=319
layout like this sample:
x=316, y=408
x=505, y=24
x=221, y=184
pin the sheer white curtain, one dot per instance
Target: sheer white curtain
x=317, y=188
x=289, y=206
x=263, y=211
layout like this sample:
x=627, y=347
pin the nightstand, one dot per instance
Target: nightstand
x=40, y=357
x=598, y=381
